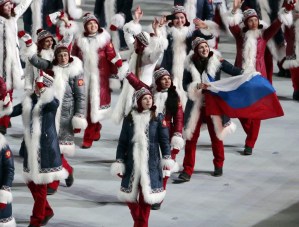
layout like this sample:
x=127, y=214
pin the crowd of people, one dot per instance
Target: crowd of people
x=68, y=77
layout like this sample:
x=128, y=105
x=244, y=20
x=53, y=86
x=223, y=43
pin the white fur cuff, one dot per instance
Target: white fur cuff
x=234, y=19
x=193, y=92
x=118, y=20
x=213, y=29
x=132, y=28
x=285, y=17
x=177, y=142
x=68, y=150
x=167, y=163
x=79, y=122
x=114, y=84
x=70, y=30
x=158, y=43
x=122, y=71
x=117, y=168
x=30, y=51
x=220, y=130
x=5, y=196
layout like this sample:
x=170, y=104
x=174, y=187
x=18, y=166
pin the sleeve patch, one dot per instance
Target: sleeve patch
x=7, y=154
x=80, y=82
x=164, y=123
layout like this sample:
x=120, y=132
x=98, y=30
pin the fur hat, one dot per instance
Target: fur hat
x=248, y=13
x=89, y=17
x=144, y=38
x=43, y=34
x=198, y=41
x=61, y=47
x=159, y=73
x=2, y=2
x=139, y=94
x=179, y=9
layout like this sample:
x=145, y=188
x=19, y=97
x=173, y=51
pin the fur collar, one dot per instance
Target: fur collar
x=250, y=49
x=159, y=100
x=47, y=54
x=214, y=65
x=74, y=68
x=87, y=44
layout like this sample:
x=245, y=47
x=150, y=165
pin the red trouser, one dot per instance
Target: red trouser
x=4, y=121
x=92, y=132
x=140, y=211
x=54, y=185
x=41, y=207
x=295, y=78
x=190, y=147
x=251, y=128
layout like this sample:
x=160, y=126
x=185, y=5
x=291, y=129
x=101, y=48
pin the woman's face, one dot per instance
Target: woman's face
x=92, y=27
x=179, y=20
x=253, y=23
x=203, y=50
x=63, y=58
x=147, y=102
x=165, y=82
x=47, y=43
x=6, y=9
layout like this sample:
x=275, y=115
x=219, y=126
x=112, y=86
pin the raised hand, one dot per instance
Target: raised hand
x=237, y=4
x=155, y=25
x=199, y=23
x=138, y=14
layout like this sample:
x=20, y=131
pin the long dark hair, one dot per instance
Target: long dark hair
x=172, y=101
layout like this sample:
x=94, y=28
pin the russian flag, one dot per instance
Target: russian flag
x=245, y=96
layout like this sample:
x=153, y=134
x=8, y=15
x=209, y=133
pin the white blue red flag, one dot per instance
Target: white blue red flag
x=245, y=96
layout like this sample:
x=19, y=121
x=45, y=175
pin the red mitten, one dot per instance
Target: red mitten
x=290, y=5
x=2, y=206
x=53, y=18
x=118, y=63
x=25, y=37
x=174, y=152
x=113, y=27
x=77, y=130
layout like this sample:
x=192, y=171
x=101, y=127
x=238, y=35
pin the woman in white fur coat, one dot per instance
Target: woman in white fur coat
x=201, y=64
x=10, y=65
x=146, y=50
x=251, y=39
x=42, y=162
x=70, y=91
x=179, y=33
x=292, y=52
x=138, y=158
x=101, y=65
x=7, y=169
